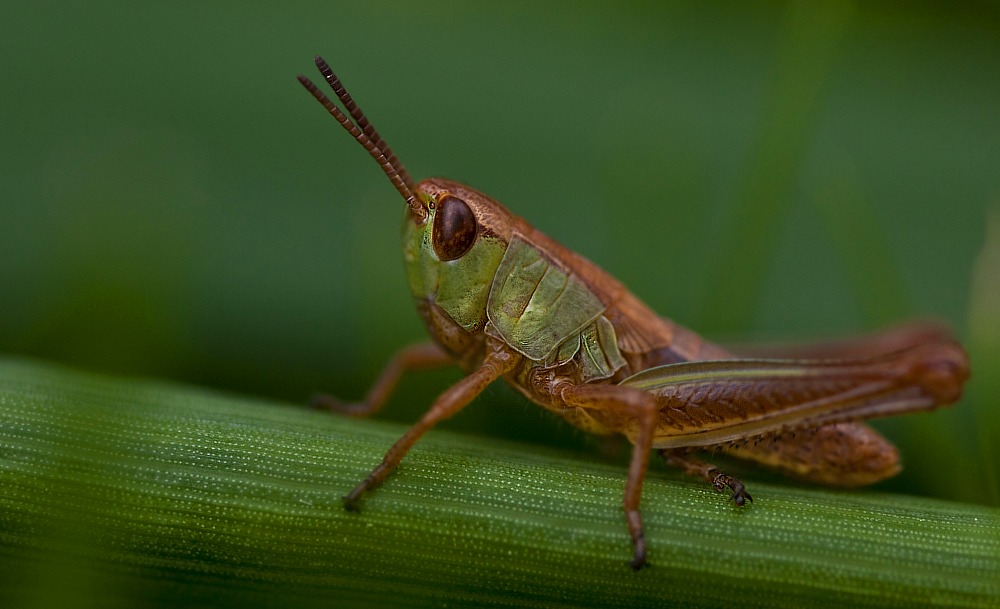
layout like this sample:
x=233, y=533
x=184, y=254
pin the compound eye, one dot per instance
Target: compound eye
x=455, y=228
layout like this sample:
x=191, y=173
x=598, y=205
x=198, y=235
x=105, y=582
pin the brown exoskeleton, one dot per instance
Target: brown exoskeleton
x=502, y=300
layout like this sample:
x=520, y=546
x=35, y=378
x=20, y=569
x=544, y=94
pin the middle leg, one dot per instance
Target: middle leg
x=634, y=411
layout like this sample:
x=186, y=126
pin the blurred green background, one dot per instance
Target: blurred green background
x=174, y=205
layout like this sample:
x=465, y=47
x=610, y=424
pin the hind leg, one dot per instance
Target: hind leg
x=707, y=472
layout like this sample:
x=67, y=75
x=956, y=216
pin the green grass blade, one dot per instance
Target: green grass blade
x=129, y=493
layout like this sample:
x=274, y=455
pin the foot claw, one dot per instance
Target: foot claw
x=638, y=561
x=325, y=401
x=740, y=495
x=352, y=501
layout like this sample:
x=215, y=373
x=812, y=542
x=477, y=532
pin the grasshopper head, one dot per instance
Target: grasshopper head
x=453, y=236
x=458, y=216
x=452, y=254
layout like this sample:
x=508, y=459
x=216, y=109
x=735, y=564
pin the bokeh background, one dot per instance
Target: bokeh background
x=174, y=205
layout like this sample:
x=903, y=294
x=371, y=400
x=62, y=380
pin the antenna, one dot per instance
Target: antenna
x=365, y=134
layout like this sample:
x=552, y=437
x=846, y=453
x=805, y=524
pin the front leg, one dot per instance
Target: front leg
x=498, y=362
x=414, y=357
x=635, y=410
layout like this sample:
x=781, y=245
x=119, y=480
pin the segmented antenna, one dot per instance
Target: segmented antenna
x=360, y=118
x=365, y=134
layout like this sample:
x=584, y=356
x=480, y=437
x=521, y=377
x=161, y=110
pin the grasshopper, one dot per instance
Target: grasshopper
x=503, y=300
